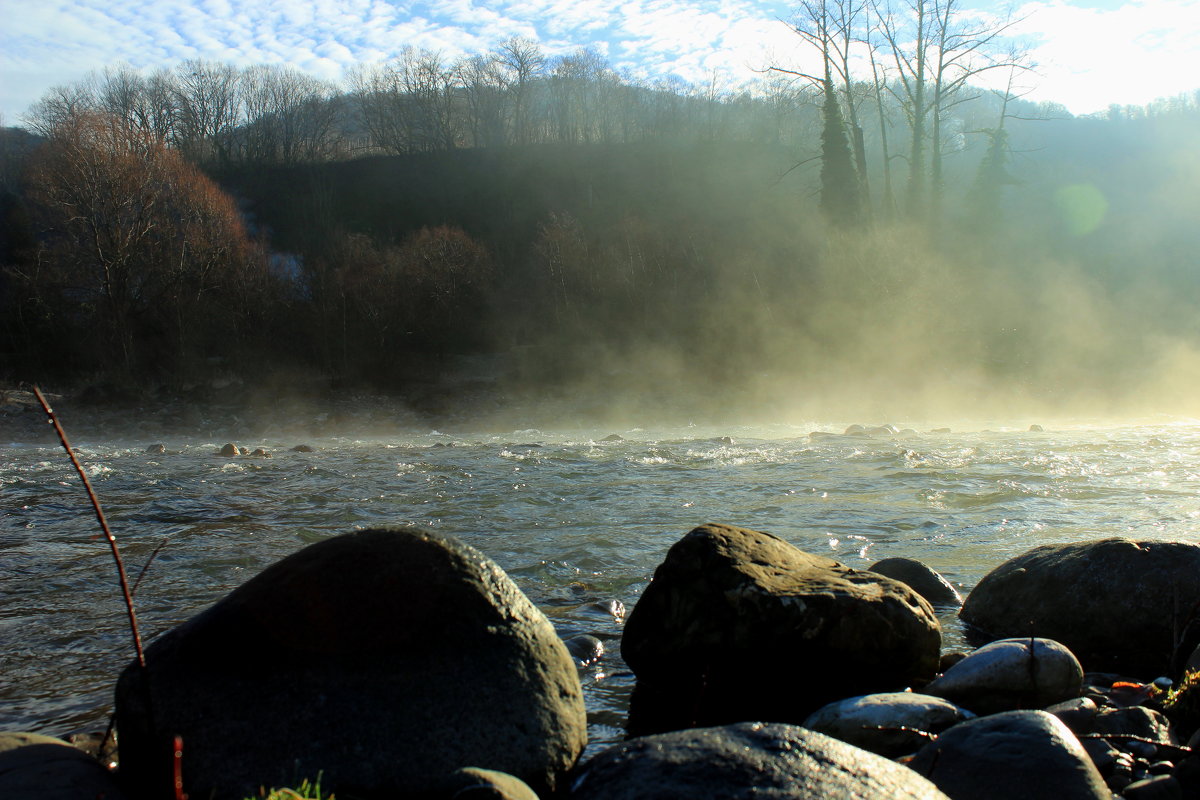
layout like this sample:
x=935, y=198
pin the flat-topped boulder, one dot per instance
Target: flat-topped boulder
x=1117, y=604
x=382, y=660
x=739, y=625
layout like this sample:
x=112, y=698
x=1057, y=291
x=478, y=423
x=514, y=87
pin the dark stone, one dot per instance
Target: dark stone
x=229, y=450
x=1158, y=787
x=613, y=437
x=473, y=783
x=36, y=767
x=156, y=450
x=585, y=649
x=302, y=448
x=747, y=760
x=1113, y=602
x=1139, y=721
x=921, y=579
x=1026, y=754
x=739, y=625
x=383, y=659
x=891, y=724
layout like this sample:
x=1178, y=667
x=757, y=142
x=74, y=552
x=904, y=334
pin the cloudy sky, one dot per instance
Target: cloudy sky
x=1090, y=52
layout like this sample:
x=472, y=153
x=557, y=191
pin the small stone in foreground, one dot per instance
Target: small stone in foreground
x=1030, y=755
x=748, y=760
x=36, y=767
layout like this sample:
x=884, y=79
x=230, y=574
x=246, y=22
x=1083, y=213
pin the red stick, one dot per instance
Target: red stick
x=112, y=540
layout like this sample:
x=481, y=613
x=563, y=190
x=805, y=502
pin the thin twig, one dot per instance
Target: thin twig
x=112, y=540
x=142, y=573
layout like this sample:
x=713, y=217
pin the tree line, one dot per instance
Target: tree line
x=210, y=218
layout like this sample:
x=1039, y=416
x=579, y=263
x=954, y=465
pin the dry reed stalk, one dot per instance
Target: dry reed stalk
x=112, y=540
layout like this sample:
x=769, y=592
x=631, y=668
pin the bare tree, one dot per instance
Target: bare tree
x=208, y=100
x=522, y=62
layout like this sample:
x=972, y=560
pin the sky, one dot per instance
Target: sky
x=1090, y=53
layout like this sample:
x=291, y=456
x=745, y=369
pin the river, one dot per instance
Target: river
x=577, y=519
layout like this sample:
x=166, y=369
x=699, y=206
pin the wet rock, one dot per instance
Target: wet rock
x=1144, y=723
x=36, y=767
x=156, y=449
x=740, y=625
x=1035, y=428
x=384, y=659
x=1027, y=754
x=1078, y=713
x=1158, y=787
x=473, y=783
x=891, y=724
x=920, y=578
x=854, y=430
x=585, y=649
x=229, y=450
x=747, y=760
x=1011, y=674
x=260, y=453
x=948, y=660
x=303, y=448
x=613, y=437
x=1113, y=602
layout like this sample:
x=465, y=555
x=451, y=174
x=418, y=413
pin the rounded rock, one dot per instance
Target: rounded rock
x=746, y=760
x=891, y=723
x=383, y=659
x=229, y=450
x=923, y=580
x=1011, y=674
x=1113, y=602
x=1026, y=754
x=36, y=767
x=740, y=625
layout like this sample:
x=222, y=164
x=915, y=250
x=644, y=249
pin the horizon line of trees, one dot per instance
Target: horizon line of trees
x=123, y=247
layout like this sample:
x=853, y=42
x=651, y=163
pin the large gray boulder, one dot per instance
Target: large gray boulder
x=1118, y=604
x=747, y=760
x=36, y=767
x=383, y=660
x=739, y=625
x=1027, y=754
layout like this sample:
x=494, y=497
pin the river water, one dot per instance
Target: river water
x=576, y=520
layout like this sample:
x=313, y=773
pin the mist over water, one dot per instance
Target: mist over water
x=577, y=520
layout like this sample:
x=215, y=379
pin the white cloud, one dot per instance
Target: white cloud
x=1090, y=56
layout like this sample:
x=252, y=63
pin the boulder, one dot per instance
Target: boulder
x=747, y=760
x=36, y=767
x=1027, y=754
x=1116, y=603
x=891, y=723
x=921, y=579
x=229, y=450
x=382, y=660
x=739, y=625
x=1011, y=674
x=472, y=783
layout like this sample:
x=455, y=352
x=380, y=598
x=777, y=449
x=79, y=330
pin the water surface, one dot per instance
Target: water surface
x=576, y=520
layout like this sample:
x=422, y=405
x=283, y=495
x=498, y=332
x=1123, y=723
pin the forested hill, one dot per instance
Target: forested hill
x=733, y=249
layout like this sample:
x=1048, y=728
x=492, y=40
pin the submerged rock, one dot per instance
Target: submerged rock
x=1027, y=754
x=1114, y=602
x=229, y=450
x=1011, y=674
x=740, y=625
x=891, y=724
x=747, y=760
x=383, y=659
x=156, y=450
x=36, y=767
x=923, y=580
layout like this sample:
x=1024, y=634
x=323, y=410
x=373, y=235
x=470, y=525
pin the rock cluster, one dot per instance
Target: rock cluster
x=396, y=662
